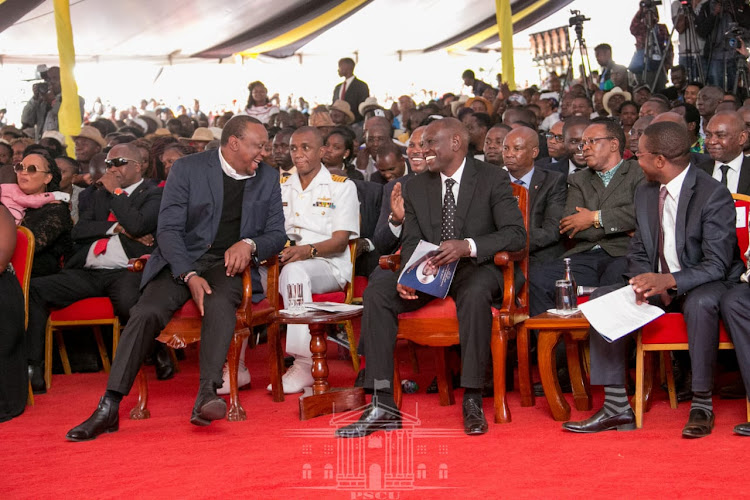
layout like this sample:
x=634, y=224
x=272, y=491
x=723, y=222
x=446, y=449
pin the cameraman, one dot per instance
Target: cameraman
x=35, y=111
x=650, y=34
x=712, y=24
x=684, y=13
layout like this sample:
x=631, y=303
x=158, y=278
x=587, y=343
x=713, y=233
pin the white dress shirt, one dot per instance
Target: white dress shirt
x=668, y=221
x=733, y=174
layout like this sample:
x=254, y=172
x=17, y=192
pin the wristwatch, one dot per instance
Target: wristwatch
x=313, y=251
x=598, y=219
x=392, y=220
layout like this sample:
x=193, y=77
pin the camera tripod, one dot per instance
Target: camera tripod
x=694, y=66
x=577, y=22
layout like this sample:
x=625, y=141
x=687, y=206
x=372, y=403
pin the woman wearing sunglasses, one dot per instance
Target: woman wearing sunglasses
x=37, y=174
x=15, y=200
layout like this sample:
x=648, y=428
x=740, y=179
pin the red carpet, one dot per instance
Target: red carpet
x=272, y=454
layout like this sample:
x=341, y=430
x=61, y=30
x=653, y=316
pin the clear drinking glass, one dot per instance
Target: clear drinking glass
x=564, y=295
x=295, y=296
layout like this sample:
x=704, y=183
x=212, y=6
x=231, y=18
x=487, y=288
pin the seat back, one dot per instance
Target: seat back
x=522, y=195
x=742, y=204
x=22, y=260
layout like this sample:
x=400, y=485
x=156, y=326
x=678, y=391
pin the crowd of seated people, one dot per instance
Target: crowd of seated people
x=591, y=155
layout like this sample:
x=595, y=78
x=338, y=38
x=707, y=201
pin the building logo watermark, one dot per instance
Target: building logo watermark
x=384, y=465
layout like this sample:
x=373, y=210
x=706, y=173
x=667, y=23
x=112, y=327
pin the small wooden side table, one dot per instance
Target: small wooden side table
x=573, y=329
x=322, y=399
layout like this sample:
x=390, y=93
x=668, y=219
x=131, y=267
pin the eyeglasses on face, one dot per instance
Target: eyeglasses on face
x=591, y=141
x=29, y=169
x=550, y=136
x=118, y=162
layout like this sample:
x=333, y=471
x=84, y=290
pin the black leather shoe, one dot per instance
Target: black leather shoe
x=600, y=421
x=36, y=377
x=735, y=390
x=539, y=390
x=106, y=418
x=163, y=363
x=699, y=424
x=474, y=421
x=375, y=418
x=208, y=407
x=742, y=429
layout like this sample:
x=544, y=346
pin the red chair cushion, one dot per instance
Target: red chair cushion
x=360, y=283
x=671, y=329
x=92, y=308
x=190, y=311
x=329, y=297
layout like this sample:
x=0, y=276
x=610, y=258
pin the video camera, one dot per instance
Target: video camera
x=578, y=19
x=651, y=4
x=736, y=34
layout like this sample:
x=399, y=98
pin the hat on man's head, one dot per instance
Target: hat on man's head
x=321, y=119
x=92, y=134
x=201, y=134
x=343, y=106
x=368, y=104
x=11, y=130
x=216, y=131
x=614, y=91
x=487, y=104
x=458, y=104
x=59, y=137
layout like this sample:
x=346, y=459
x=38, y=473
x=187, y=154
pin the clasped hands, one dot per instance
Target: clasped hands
x=650, y=285
x=577, y=222
x=448, y=251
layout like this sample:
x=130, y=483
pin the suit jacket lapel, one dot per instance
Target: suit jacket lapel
x=465, y=193
x=650, y=234
x=216, y=185
x=537, y=180
x=743, y=186
x=614, y=182
x=680, y=225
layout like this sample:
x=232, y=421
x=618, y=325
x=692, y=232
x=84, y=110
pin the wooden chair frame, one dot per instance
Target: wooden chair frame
x=24, y=279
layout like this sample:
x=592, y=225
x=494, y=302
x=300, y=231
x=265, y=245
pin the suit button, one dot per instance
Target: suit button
x=208, y=246
x=613, y=229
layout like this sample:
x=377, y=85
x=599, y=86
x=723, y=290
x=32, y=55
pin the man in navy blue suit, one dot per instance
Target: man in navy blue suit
x=220, y=209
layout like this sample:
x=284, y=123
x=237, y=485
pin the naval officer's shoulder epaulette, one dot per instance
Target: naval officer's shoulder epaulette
x=338, y=178
x=285, y=178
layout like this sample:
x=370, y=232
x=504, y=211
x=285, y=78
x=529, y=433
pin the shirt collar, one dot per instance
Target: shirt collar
x=227, y=168
x=456, y=175
x=132, y=187
x=735, y=165
x=323, y=177
x=526, y=178
x=675, y=185
x=609, y=173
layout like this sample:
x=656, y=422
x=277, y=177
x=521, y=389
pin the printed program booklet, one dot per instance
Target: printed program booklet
x=420, y=274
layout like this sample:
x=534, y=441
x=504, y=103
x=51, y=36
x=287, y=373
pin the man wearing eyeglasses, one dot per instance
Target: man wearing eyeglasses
x=116, y=225
x=599, y=216
x=555, y=148
x=683, y=257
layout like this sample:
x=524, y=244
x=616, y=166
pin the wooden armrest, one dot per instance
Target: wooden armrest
x=245, y=310
x=502, y=258
x=390, y=262
x=137, y=264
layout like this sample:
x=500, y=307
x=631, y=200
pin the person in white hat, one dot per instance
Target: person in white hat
x=341, y=113
x=88, y=143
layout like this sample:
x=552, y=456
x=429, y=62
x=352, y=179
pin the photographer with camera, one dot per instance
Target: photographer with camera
x=35, y=111
x=715, y=24
x=652, y=44
x=690, y=54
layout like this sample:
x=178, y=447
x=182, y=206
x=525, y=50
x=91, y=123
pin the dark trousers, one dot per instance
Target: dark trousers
x=473, y=289
x=159, y=301
x=735, y=311
x=700, y=306
x=592, y=268
x=70, y=285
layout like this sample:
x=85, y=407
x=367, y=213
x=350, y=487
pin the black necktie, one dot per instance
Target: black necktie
x=724, y=169
x=449, y=212
x=666, y=299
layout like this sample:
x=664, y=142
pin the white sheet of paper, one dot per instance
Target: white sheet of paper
x=332, y=306
x=616, y=314
x=741, y=217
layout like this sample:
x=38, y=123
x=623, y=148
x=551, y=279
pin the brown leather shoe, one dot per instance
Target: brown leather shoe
x=699, y=424
x=600, y=421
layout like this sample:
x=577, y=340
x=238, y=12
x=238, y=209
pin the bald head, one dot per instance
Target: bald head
x=725, y=136
x=670, y=116
x=317, y=136
x=520, y=149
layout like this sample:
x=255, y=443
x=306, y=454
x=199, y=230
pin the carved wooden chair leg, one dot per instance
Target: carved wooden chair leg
x=524, y=367
x=276, y=361
x=30, y=397
x=352, y=345
x=236, y=412
x=63, y=352
x=102, y=349
x=115, y=337
x=398, y=393
x=140, y=411
x=48, y=356
x=499, y=358
x=639, y=376
x=670, y=379
x=444, y=377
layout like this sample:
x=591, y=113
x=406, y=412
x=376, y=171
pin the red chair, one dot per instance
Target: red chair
x=669, y=333
x=22, y=260
x=436, y=323
x=92, y=311
x=185, y=328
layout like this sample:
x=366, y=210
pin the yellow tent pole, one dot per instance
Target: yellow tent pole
x=69, y=116
x=505, y=32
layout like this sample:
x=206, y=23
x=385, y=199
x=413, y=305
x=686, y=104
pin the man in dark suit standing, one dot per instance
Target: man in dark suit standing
x=683, y=257
x=117, y=226
x=725, y=140
x=220, y=210
x=547, y=193
x=352, y=89
x=598, y=217
x=470, y=222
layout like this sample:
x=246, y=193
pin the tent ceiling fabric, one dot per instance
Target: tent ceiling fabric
x=183, y=30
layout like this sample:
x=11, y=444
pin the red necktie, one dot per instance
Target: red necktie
x=101, y=245
x=343, y=90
